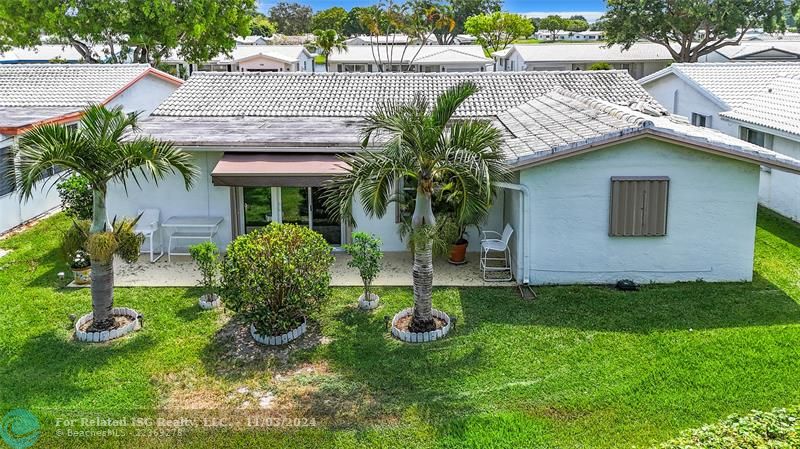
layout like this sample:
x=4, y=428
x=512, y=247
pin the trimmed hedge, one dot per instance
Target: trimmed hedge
x=777, y=429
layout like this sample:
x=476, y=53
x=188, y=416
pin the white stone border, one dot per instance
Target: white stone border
x=98, y=337
x=420, y=337
x=276, y=340
x=205, y=304
x=373, y=302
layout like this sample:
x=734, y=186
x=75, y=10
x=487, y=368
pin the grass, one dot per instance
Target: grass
x=581, y=367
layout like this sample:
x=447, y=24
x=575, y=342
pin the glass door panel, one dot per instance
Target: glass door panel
x=257, y=207
x=322, y=222
x=294, y=205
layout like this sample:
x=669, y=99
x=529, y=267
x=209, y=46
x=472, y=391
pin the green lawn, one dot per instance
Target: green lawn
x=581, y=367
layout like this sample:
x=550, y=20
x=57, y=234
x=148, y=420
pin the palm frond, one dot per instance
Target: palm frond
x=43, y=147
x=151, y=160
x=450, y=100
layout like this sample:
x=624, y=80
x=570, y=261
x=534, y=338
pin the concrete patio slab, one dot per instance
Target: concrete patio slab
x=396, y=271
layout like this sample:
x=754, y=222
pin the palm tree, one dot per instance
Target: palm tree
x=420, y=143
x=98, y=150
x=327, y=41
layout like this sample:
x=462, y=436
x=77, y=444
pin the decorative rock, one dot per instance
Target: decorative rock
x=102, y=336
x=420, y=337
x=275, y=340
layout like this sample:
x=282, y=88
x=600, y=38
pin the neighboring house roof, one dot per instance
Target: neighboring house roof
x=251, y=40
x=561, y=123
x=775, y=107
x=391, y=39
x=752, y=49
x=425, y=54
x=643, y=51
x=33, y=93
x=299, y=94
x=40, y=53
x=283, y=53
x=727, y=84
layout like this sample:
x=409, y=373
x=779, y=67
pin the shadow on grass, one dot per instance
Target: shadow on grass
x=778, y=225
x=53, y=372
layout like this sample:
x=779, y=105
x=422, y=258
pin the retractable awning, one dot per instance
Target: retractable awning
x=276, y=169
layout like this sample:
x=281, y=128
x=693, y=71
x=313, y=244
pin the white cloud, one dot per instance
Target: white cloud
x=591, y=16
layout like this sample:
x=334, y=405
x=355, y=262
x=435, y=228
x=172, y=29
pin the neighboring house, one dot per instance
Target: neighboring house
x=253, y=40
x=40, y=54
x=640, y=60
x=414, y=58
x=713, y=94
x=768, y=50
x=562, y=35
x=252, y=58
x=33, y=94
x=390, y=39
x=770, y=119
x=605, y=186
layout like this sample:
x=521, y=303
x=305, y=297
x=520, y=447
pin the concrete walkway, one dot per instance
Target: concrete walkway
x=396, y=271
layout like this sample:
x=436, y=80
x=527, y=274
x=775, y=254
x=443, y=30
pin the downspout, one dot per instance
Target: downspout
x=524, y=197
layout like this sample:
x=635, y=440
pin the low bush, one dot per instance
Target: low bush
x=206, y=257
x=275, y=276
x=367, y=255
x=600, y=66
x=76, y=197
x=779, y=428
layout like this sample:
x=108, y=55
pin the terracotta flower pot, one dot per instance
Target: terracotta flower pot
x=83, y=276
x=458, y=252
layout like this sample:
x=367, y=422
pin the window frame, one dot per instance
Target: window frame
x=617, y=230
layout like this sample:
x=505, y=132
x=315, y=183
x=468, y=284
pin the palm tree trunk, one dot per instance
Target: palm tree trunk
x=422, y=319
x=102, y=270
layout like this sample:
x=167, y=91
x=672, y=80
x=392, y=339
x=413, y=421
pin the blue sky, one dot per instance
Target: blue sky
x=520, y=6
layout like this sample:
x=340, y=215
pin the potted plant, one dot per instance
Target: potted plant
x=81, y=266
x=273, y=277
x=366, y=257
x=206, y=257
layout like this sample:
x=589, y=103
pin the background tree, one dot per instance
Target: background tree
x=576, y=25
x=327, y=41
x=497, y=30
x=139, y=30
x=552, y=24
x=458, y=11
x=262, y=26
x=421, y=144
x=330, y=19
x=689, y=29
x=291, y=18
x=96, y=151
x=354, y=26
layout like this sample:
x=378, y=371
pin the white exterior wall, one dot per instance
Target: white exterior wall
x=172, y=199
x=710, y=223
x=144, y=96
x=780, y=191
x=689, y=100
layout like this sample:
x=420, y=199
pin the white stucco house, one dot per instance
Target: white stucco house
x=33, y=94
x=41, y=54
x=606, y=185
x=251, y=58
x=757, y=50
x=640, y=60
x=563, y=35
x=425, y=58
x=713, y=94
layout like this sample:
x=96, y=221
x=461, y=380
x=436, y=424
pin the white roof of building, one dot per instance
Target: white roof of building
x=562, y=123
x=425, y=54
x=753, y=48
x=728, y=84
x=298, y=94
x=585, y=52
x=33, y=92
x=775, y=107
x=40, y=53
x=284, y=53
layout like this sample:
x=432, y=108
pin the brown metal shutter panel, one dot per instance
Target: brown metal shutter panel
x=638, y=206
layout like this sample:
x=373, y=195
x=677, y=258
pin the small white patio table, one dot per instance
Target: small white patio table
x=190, y=228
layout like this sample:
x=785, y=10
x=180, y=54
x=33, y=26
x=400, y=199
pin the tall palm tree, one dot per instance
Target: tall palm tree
x=98, y=150
x=421, y=143
x=327, y=41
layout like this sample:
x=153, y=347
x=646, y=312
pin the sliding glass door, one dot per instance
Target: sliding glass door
x=297, y=205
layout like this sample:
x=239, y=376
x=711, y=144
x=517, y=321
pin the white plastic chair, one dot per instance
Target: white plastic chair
x=494, y=266
x=149, y=225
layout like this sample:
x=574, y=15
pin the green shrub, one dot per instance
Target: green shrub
x=275, y=276
x=74, y=240
x=779, y=428
x=600, y=66
x=123, y=241
x=367, y=255
x=76, y=197
x=206, y=257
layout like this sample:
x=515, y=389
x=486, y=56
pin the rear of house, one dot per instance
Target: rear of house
x=33, y=94
x=606, y=185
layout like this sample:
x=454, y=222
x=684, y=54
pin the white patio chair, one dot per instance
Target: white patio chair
x=149, y=225
x=496, y=256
